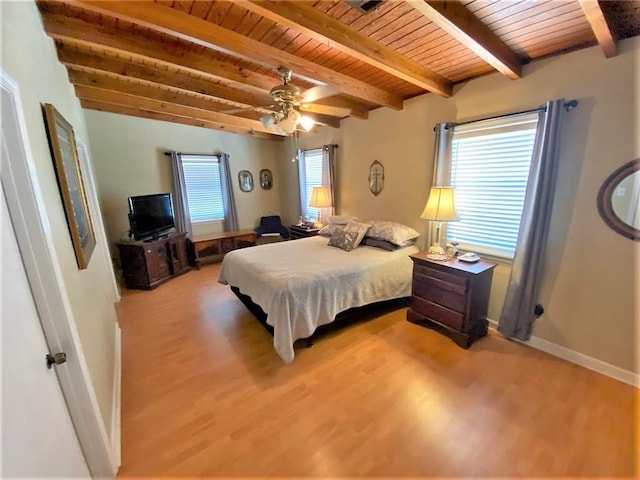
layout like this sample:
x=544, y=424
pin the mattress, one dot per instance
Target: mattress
x=305, y=283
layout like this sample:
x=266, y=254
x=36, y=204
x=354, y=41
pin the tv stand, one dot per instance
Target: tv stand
x=162, y=236
x=149, y=263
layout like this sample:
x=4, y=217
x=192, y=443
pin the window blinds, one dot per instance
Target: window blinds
x=204, y=188
x=312, y=178
x=490, y=163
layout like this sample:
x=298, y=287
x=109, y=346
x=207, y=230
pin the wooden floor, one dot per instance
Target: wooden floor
x=204, y=394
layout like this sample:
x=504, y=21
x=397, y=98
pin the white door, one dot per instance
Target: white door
x=38, y=438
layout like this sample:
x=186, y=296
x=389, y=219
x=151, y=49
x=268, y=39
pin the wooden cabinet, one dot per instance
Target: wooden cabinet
x=148, y=264
x=302, y=232
x=214, y=247
x=452, y=295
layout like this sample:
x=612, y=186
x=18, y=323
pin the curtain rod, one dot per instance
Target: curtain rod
x=570, y=105
x=168, y=154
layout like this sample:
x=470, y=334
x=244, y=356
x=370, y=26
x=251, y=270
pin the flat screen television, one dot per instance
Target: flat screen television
x=150, y=216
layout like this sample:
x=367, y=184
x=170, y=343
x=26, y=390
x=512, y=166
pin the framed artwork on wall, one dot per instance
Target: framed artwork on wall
x=376, y=177
x=62, y=143
x=245, y=179
x=266, y=179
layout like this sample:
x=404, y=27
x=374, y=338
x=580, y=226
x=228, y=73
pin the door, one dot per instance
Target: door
x=24, y=398
x=38, y=438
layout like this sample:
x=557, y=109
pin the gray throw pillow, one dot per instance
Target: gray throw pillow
x=347, y=241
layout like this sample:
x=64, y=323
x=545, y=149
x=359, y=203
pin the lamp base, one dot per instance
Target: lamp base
x=436, y=252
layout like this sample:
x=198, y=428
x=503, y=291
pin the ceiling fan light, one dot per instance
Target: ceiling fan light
x=307, y=122
x=268, y=120
x=294, y=116
x=287, y=126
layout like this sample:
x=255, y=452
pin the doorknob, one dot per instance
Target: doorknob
x=57, y=359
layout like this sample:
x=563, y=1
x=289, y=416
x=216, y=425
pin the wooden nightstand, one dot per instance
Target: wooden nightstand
x=302, y=232
x=453, y=295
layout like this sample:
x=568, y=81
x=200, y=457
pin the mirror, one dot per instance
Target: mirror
x=266, y=179
x=619, y=200
x=246, y=180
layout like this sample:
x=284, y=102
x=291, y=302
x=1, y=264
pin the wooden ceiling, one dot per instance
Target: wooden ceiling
x=212, y=63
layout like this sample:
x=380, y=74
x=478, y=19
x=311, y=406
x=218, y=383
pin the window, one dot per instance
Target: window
x=204, y=188
x=490, y=162
x=311, y=172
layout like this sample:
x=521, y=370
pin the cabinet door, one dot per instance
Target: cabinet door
x=157, y=258
x=179, y=254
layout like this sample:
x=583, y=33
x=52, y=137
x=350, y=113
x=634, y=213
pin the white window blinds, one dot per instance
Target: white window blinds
x=490, y=163
x=204, y=189
x=311, y=176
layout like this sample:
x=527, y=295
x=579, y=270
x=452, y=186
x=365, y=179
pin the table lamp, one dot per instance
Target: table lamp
x=320, y=198
x=440, y=208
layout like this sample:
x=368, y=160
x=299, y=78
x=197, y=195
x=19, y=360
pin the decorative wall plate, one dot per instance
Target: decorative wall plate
x=376, y=177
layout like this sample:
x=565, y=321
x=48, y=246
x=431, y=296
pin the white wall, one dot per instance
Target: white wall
x=29, y=57
x=589, y=291
x=129, y=159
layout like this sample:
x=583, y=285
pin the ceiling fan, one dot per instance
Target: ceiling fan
x=292, y=103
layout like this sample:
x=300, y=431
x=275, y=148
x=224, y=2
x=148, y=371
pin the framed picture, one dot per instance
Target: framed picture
x=245, y=179
x=65, y=159
x=266, y=179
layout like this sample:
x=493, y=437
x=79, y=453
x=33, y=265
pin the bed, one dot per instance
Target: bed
x=303, y=284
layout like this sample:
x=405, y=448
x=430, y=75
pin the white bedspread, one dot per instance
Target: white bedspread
x=305, y=283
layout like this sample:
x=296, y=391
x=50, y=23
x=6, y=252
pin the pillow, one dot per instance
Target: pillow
x=347, y=241
x=340, y=220
x=330, y=230
x=393, y=232
x=360, y=228
x=376, y=242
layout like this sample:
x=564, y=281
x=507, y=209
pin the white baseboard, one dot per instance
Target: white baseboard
x=117, y=400
x=578, y=358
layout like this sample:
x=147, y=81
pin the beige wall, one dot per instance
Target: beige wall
x=129, y=159
x=28, y=56
x=589, y=288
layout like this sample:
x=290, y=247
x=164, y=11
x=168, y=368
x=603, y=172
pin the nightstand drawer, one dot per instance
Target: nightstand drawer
x=458, y=280
x=459, y=288
x=442, y=293
x=438, y=313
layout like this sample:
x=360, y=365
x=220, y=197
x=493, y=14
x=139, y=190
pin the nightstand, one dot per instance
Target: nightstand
x=302, y=232
x=452, y=295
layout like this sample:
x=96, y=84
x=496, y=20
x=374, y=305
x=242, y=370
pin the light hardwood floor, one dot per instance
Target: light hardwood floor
x=204, y=394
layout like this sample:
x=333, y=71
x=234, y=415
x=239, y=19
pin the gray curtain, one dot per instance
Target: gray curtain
x=228, y=199
x=180, y=200
x=518, y=314
x=441, y=171
x=329, y=176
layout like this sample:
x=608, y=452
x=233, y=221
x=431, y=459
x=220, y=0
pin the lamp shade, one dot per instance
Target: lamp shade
x=441, y=205
x=320, y=197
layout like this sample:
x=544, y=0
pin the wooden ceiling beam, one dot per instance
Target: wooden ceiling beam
x=459, y=22
x=74, y=58
x=75, y=32
x=146, y=89
x=167, y=20
x=141, y=103
x=304, y=18
x=101, y=106
x=600, y=27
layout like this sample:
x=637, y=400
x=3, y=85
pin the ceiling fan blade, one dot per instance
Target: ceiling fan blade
x=258, y=108
x=316, y=93
x=325, y=110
